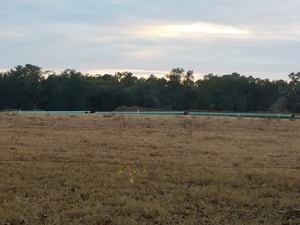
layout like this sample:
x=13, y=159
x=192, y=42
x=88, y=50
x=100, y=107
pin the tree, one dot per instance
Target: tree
x=102, y=92
x=27, y=88
x=148, y=92
x=21, y=87
x=66, y=91
x=188, y=78
x=292, y=92
x=2, y=89
x=173, y=88
x=127, y=79
x=231, y=92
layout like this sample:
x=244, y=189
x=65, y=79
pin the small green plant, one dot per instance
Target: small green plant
x=131, y=170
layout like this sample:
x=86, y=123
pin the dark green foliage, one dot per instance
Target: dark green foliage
x=292, y=92
x=21, y=87
x=31, y=88
x=237, y=93
x=66, y=91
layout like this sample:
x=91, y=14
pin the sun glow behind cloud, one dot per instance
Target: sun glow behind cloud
x=196, y=29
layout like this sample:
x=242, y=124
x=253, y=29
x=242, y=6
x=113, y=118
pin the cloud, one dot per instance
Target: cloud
x=9, y=34
x=261, y=36
x=206, y=28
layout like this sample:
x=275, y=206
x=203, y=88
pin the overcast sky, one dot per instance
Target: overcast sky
x=252, y=37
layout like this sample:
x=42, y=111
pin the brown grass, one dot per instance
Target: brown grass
x=62, y=169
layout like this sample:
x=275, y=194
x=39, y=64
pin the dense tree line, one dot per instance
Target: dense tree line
x=29, y=87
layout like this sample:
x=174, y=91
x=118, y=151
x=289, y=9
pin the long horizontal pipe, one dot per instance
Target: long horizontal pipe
x=235, y=114
x=260, y=115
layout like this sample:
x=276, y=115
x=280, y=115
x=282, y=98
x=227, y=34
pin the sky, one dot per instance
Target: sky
x=259, y=38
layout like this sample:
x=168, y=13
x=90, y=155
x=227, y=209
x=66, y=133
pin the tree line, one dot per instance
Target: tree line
x=29, y=87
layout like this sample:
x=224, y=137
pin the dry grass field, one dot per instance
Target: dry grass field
x=63, y=169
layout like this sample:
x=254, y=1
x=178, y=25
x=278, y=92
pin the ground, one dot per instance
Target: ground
x=139, y=169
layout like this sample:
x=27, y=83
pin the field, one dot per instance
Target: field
x=137, y=169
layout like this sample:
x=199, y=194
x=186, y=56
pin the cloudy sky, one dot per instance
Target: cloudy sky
x=252, y=37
